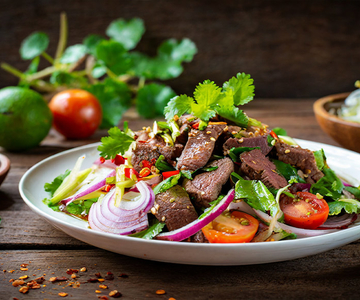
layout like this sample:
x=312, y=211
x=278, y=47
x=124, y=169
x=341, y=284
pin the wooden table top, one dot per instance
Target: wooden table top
x=25, y=238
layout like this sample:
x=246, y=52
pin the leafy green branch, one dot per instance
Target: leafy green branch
x=108, y=67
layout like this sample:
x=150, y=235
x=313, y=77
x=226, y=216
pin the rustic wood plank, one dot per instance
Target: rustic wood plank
x=333, y=275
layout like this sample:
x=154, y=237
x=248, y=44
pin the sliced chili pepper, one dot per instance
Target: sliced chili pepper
x=102, y=160
x=170, y=173
x=196, y=125
x=146, y=164
x=274, y=135
x=107, y=187
x=118, y=160
x=131, y=171
x=144, y=172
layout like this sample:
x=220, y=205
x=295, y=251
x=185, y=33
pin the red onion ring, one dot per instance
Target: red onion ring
x=193, y=227
x=129, y=217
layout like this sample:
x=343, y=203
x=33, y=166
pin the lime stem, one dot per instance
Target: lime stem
x=12, y=70
x=62, y=36
x=48, y=57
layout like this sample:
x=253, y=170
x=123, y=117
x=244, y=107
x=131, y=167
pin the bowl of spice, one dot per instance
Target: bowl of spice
x=4, y=167
x=339, y=116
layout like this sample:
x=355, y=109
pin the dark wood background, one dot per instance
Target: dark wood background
x=291, y=48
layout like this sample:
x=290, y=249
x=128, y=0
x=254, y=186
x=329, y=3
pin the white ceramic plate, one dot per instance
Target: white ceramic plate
x=346, y=163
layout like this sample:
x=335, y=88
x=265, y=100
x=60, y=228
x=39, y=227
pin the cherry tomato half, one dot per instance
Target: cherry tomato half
x=77, y=113
x=305, y=210
x=237, y=227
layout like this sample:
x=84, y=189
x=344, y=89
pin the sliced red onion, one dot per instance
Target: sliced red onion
x=129, y=210
x=300, y=232
x=242, y=206
x=347, y=184
x=303, y=187
x=193, y=227
x=339, y=222
x=94, y=185
x=129, y=217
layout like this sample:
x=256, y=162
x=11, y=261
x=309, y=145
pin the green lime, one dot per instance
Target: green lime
x=25, y=118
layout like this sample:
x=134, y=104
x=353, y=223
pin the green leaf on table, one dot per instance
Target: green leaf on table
x=114, y=56
x=128, y=33
x=242, y=88
x=35, y=44
x=73, y=54
x=118, y=142
x=115, y=99
x=175, y=50
x=152, y=98
x=91, y=41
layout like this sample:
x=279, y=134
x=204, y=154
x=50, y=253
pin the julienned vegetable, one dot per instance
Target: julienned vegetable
x=209, y=174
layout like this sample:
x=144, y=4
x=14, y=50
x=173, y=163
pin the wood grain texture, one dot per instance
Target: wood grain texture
x=291, y=48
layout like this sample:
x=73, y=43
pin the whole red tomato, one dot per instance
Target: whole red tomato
x=77, y=113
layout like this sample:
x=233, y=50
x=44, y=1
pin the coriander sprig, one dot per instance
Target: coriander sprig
x=108, y=67
x=210, y=100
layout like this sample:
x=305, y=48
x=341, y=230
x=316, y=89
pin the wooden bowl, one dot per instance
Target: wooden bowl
x=346, y=133
x=4, y=167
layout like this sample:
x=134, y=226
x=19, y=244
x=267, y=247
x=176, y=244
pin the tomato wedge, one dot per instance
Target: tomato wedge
x=306, y=210
x=235, y=227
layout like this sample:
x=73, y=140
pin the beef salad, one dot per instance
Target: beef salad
x=208, y=174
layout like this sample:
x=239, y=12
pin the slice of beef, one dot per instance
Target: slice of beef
x=258, y=141
x=198, y=237
x=151, y=149
x=206, y=186
x=199, y=147
x=303, y=159
x=184, y=132
x=174, y=208
x=256, y=166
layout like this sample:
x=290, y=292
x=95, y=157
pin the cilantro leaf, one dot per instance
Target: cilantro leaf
x=152, y=98
x=242, y=87
x=234, y=114
x=115, y=99
x=117, y=142
x=174, y=50
x=350, y=206
x=128, y=33
x=178, y=105
x=73, y=53
x=35, y=44
x=54, y=185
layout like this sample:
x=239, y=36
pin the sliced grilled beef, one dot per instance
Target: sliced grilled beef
x=303, y=159
x=174, y=208
x=151, y=149
x=258, y=141
x=198, y=237
x=206, y=186
x=256, y=166
x=199, y=147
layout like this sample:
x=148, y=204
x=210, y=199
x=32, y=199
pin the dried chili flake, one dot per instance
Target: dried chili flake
x=71, y=271
x=54, y=279
x=101, y=279
x=103, y=286
x=115, y=294
x=24, y=289
x=103, y=297
x=40, y=279
x=160, y=292
x=98, y=275
x=18, y=282
x=92, y=280
x=109, y=276
x=23, y=265
x=97, y=292
x=62, y=294
x=24, y=277
x=24, y=269
x=123, y=275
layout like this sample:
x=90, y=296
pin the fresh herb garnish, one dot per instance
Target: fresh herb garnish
x=54, y=185
x=150, y=232
x=162, y=165
x=210, y=100
x=167, y=184
x=114, y=72
x=118, y=142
